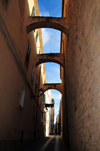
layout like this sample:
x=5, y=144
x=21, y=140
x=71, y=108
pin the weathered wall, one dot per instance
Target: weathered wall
x=13, y=73
x=83, y=75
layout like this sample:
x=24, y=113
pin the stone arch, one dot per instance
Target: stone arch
x=60, y=23
x=56, y=86
x=52, y=57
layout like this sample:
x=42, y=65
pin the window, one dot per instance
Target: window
x=27, y=55
x=44, y=80
x=33, y=11
x=22, y=96
x=36, y=35
x=36, y=84
x=39, y=51
x=44, y=98
x=32, y=75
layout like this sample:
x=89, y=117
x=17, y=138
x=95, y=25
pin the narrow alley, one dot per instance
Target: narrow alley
x=49, y=75
x=50, y=143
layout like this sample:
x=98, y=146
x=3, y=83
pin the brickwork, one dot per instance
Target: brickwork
x=82, y=67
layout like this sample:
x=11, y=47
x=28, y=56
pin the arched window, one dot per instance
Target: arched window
x=33, y=11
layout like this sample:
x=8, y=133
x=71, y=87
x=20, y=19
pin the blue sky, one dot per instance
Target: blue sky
x=51, y=44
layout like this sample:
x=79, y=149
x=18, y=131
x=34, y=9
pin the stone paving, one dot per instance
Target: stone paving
x=51, y=143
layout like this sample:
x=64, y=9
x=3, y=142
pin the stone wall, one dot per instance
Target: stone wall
x=83, y=75
x=17, y=123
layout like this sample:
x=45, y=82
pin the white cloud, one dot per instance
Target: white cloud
x=56, y=69
x=53, y=72
x=44, y=13
x=45, y=36
x=56, y=96
x=53, y=44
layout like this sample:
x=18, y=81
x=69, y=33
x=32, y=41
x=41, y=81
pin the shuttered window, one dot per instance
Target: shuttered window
x=22, y=96
x=33, y=11
x=36, y=35
x=27, y=55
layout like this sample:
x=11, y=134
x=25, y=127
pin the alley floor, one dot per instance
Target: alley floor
x=51, y=143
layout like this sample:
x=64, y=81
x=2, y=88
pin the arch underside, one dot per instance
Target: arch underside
x=48, y=60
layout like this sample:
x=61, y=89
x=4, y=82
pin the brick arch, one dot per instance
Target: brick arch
x=52, y=57
x=56, y=86
x=60, y=23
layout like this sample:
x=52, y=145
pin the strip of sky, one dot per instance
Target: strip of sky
x=51, y=44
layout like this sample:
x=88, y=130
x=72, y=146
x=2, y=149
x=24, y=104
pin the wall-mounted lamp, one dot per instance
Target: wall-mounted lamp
x=40, y=94
x=49, y=105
